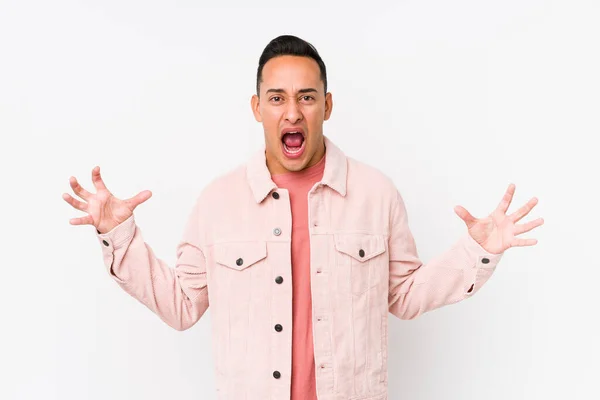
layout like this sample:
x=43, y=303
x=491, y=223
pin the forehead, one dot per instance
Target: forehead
x=290, y=73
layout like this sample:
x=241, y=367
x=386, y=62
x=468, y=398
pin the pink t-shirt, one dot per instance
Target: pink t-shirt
x=303, y=365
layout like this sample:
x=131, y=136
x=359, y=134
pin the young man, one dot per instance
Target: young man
x=301, y=252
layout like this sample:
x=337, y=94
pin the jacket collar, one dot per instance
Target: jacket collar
x=334, y=174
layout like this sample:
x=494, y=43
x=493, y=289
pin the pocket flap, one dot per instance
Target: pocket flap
x=360, y=246
x=240, y=255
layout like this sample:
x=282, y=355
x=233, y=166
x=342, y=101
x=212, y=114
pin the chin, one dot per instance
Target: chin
x=294, y=167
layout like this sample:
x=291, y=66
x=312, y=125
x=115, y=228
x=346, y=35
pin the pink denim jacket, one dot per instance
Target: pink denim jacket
x=235, y=256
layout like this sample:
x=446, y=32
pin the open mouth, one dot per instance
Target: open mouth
x=293, y=143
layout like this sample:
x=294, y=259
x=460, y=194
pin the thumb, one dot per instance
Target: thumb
x=465, y=215
x=139, y=198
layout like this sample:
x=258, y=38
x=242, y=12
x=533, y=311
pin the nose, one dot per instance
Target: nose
x=293, y=113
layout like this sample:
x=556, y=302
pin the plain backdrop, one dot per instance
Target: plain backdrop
x=452, y=99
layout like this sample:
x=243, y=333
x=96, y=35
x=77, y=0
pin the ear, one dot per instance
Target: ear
x=328, y=105
x=255, y=105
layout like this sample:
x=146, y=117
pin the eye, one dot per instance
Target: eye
x=275, y=97
x=308, y=98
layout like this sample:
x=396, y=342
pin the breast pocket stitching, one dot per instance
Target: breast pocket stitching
x=362, y=254
x=240, y=255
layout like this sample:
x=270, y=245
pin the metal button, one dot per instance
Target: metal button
x=277, y=231
x=105, y=242
x=279, y=280
x=239, y=261
x=361, y=253
x=278, y=328
x=470, y=289
x=276, y=374
x=275, y=195
x=485, y=260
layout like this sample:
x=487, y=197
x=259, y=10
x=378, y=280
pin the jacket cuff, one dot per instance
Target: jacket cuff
x=118, y=236
x=482, y=257
x=483, y=265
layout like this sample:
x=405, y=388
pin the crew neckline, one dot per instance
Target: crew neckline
x=309, y=172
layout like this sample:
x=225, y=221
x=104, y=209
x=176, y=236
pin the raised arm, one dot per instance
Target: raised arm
x=459, y=272
x=179, y=295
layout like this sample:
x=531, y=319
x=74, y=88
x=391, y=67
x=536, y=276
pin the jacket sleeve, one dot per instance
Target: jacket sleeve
x=415, y=287
x=179, y=296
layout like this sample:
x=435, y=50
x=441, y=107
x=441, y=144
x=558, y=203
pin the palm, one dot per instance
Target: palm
x=104, y=207
x=497, y=232
x=104, y=210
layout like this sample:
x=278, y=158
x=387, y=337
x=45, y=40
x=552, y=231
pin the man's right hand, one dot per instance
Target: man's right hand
x=105, y=211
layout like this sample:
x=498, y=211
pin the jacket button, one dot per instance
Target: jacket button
x=276, y=231
x=361, y=253
x=485, y=260
x=275, y=195
x=105, y=242
x=276, y=374
x=278, y=328
x=239, y=261
x=279, y=280
x=471, y=288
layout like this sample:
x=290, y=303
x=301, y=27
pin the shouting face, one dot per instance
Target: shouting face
x=292, y=107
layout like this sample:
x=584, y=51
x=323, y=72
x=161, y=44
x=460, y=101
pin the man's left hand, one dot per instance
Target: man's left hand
x=497, y=232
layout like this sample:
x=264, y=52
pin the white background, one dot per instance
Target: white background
x=452, y=99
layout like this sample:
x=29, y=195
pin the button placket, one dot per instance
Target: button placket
x=277, y=231
x=321, y=318
x=318, y=204
x=315, y=215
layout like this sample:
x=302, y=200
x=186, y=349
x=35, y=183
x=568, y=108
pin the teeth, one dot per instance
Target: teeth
x=293, y=151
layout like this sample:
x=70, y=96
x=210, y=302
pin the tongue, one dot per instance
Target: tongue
x=293, y=139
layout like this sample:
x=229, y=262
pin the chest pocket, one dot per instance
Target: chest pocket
x=359, y=260
x=240, y=255
x=241, y=271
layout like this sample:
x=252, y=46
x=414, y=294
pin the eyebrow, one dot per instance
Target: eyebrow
x=307, y=90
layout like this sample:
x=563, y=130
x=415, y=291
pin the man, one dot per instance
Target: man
x=301, y=252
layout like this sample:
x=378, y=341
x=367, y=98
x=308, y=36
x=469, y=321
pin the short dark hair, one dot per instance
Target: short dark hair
x=293, y=46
